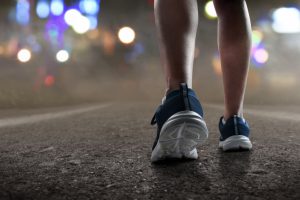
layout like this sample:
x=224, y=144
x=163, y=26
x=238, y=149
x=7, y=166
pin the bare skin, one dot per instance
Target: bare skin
x=234, y=46
x=177, y=22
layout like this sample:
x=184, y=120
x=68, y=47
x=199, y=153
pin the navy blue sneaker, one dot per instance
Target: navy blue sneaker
x=234, y=134
x=180, y=126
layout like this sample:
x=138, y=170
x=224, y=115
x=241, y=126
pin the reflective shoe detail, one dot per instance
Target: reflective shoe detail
x=180, y=126
x=234, y=134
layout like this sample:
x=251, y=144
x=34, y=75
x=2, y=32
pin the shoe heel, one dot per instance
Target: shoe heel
x=237, y=142
x=181, y=134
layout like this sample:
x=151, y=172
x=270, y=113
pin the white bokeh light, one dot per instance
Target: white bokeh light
x=77, y=21
x=82, y=25
x=126, y=35
x=71, y=16
x=286, y=20
x=210, y=10
x=62, y=56
x=24, y=55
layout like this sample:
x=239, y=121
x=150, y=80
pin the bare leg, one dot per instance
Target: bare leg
x=234, y=47
x=177, y=21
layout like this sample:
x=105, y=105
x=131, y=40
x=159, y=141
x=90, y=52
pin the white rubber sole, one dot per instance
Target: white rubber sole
x=179, y=137
x=236, y=142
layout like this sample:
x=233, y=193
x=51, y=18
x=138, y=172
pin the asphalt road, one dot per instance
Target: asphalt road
x=103, y=152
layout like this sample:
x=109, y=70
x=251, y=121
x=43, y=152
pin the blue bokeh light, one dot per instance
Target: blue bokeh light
x=23, y=12
x=57, y=7
x=90, y=7
x=93, y=22
x=42, y=9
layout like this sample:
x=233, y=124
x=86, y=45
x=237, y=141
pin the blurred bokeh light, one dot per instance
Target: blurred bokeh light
x=126, y=35
x=72, y=16
x=57, y=7
x=42, y=9
x=24, y=55
x=62, y=56
x=286, y=20
x=210, y=10
x=63, y=51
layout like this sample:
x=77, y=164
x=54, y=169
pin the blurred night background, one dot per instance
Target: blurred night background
x=62, y=52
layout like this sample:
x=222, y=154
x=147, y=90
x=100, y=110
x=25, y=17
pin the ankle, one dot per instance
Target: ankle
x=174, y=84
x=169, y=90
x=226, y=116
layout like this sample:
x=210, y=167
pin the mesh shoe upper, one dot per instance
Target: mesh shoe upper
x=233, y=126
x=176, y=101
